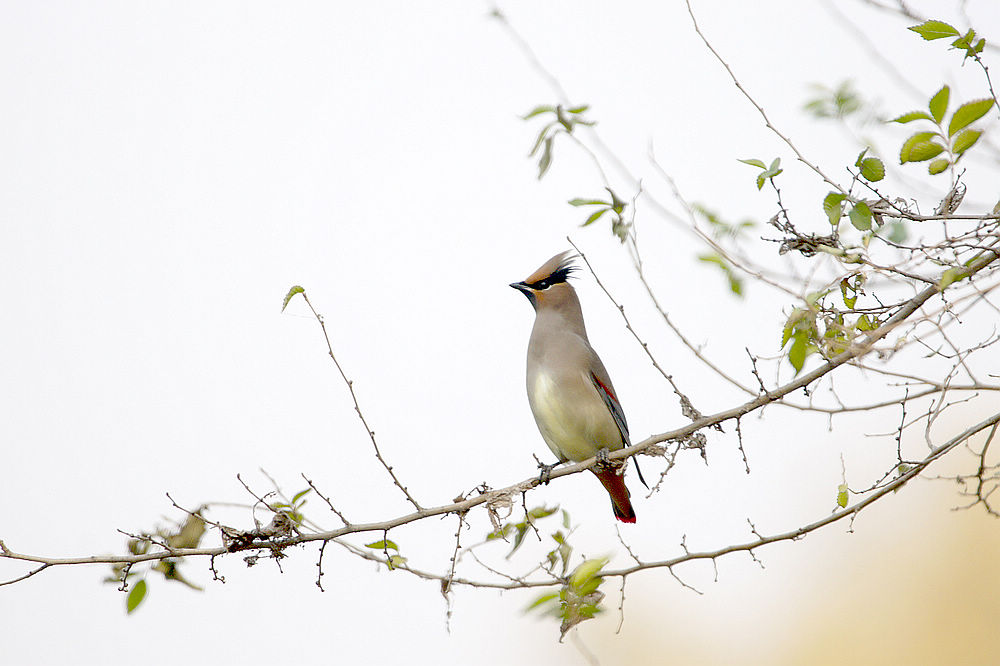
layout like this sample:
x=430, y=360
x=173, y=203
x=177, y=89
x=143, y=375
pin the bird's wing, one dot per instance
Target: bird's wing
x=603, y=385
x=599, y=376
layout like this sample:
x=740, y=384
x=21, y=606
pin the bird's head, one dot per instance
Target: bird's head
x=548, y=287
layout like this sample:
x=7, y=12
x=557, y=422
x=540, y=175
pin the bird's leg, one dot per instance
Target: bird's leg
x=546, y=474
x=603, y=462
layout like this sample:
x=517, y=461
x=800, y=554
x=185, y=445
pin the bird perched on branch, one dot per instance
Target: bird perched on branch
x=571, y=395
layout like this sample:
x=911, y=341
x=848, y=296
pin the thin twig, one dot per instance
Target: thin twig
x=357, y=406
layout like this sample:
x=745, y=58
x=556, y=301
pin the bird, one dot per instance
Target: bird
x=570, y=393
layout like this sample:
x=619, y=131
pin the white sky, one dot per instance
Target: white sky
x=169, y=170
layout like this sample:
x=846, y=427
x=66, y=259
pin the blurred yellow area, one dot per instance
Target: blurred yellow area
x=915, y=583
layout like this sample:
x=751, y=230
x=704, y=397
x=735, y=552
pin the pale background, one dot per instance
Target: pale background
x=169, y=170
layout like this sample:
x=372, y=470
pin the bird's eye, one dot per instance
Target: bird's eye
x=542, y=284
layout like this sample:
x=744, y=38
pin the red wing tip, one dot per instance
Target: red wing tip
x=623, y=519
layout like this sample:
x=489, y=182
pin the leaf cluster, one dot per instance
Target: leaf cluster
x=967, y=43
x=767, y=171
x=520, y=528
x=293, y=509
x=615, y=206
x=954, y=141
x=394, y=560
x=816, y=328
x=563, y=121
x=186, y=535
x=578, y=599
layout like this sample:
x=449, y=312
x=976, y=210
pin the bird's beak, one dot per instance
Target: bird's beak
x=521, y=287
x=528, y=292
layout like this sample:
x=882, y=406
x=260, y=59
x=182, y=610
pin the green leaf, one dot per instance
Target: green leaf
x=897, y=233
x=588, y=202
x=735, y=283
x=797, y=352
x=137, y=547
x=542, y=134
x=586, y=572
x=771, y=171
x=546, y=159
x=542, y=512
x=538, y=110
x=761, y=179
x=919, y=151
x=965, y=40
x=872, y=169
x=565, y=515
x=521, y=530
x=939, y=104
x=754, y=162
x=842, y=496
x=385, y=544
x=588, y=586
x=965, y=140
x=814, y=297
x=798, y=314
x=914, y=139
x=845, y=286
x=861, y=216
x=921, y=137
x=833, y=206
x=967, y=114
x=578, y=109
x=396, y=561
x=135, y=596
x=910, y=117
x=712, y=259
x=931, y=30
x=865, y=323
x=937, y=166
x=190, y=533
x=951, y=276
x=965, y=43
x=300, y=494
x=541, y=599
x=500, y=533
x=595, y=216
x=291, y=292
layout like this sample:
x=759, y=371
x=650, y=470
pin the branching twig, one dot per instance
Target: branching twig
x=357, y=406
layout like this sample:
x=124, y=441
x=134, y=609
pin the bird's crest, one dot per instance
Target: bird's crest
x=557, y=269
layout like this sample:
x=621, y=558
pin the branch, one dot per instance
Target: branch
x=357, y=408
x=504, y=494
x=798, y=533
x=760, y=109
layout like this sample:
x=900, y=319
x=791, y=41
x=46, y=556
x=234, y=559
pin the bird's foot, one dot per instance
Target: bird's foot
x=546, y=474
x=603, y=462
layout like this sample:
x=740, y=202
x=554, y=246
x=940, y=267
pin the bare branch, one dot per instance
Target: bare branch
x=357, y=407
x=760, y=109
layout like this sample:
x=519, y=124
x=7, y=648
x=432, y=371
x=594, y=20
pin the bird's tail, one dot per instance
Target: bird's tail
x=614, y=483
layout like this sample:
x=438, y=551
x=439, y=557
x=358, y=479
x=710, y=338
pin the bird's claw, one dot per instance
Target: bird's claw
x=603, y=461
x=546, y=474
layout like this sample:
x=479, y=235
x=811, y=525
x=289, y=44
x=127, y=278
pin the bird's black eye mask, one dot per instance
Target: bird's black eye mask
x=561, y=274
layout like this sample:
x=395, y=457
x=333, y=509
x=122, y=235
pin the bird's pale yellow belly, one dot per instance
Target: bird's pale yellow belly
x=574, y=421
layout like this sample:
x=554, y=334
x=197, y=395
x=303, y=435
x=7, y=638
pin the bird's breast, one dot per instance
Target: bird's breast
x=571, y=416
